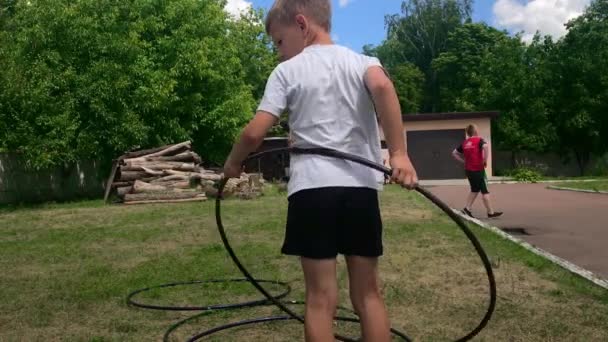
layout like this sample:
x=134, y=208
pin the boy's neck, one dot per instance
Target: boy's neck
x=320, y=37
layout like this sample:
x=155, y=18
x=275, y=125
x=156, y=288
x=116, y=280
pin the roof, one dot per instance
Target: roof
x=450, y=116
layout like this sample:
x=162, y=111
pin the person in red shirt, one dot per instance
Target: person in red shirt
x=473, y=153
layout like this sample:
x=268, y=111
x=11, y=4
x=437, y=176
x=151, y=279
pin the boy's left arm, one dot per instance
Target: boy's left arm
x=486, y=153
x=251, y=138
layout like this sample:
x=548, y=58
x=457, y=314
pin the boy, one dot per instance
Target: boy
x=473, y=153
x=330, y=93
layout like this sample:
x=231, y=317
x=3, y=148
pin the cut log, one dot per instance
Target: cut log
x=121, y=184
x=188, y=190
x=255, y=180
x=177, y=172
x=135, y=154
x=159, y=166
x=121, y=192
x=140, y=187
x=131, y=175
x=189, y=156
x=154, y=196
x=175, y=149
x=180, y=184
x=152, y=172
x=170, y=178
x=196, y=199
x=210, y=176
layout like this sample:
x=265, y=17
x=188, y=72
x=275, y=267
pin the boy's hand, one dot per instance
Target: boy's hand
x=251, y=138
x=232, y=170
x=404, y=172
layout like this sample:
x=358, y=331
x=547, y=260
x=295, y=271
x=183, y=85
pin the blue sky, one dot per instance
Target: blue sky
x=360, y=22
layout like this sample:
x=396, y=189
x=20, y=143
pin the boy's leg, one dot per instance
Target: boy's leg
x=471, y=199
x=487, y=203
x=321, y=298
x=486, y=199
x=360, y=241
x=367, y=299
x=475, y=188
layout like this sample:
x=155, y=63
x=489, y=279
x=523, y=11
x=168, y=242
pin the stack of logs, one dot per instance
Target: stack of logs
x=171, y=174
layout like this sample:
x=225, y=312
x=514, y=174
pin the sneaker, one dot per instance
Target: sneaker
x=467, y=212
x=495, y=214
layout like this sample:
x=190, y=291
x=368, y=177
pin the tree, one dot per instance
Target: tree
x=409, y=82
x=419, y=35
x=255, y=50
x=90, y=79
x=581, y=81
x=485, y=69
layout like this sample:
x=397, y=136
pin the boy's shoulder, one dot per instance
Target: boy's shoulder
x=318, y=52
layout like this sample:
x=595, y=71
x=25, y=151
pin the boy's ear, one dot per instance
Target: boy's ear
x=302, y=22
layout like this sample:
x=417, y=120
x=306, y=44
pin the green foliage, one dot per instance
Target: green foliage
x=418, y=35
x=527, y=175
x=552, y=96
x=580, y=80
x=601, y=167
x=95, y=78
x=408, y=81
x=485, y=69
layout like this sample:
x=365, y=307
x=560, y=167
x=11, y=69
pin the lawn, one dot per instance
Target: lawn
x=67, y=269
x=599, y=185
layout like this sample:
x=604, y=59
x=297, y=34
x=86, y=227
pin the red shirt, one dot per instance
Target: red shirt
x=472, y=149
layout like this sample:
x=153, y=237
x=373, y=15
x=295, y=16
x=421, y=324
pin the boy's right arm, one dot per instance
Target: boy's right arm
x=387, y=105
x=458, y=156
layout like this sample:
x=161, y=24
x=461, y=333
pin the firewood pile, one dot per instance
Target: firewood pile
x=171, y=174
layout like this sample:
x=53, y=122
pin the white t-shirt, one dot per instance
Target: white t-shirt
x=329, y=106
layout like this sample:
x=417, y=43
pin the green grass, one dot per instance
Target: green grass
x=67, y=269
x=599, y=185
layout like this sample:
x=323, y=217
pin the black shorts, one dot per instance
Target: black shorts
x=323, y=222
x=477, y=180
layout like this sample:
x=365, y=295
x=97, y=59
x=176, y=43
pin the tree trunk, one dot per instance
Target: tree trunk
x=513, y=160
x=582, y=159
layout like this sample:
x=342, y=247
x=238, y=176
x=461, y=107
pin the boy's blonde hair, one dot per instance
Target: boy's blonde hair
x=283, y=12
x=471, y=130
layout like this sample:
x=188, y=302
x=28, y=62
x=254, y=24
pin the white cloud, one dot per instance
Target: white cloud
x=546, y=16
x=344, y=3
x=236, y=7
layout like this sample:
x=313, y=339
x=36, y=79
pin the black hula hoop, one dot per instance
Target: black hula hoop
x=276, y=299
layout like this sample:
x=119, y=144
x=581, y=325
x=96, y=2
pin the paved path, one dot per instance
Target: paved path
x=570, y=225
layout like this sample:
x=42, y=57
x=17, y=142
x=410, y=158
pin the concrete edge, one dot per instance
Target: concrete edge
x=510, y=181
x=553, y=187
x=555, y=259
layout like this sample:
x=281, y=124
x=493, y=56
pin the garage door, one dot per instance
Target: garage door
x=431, y=153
